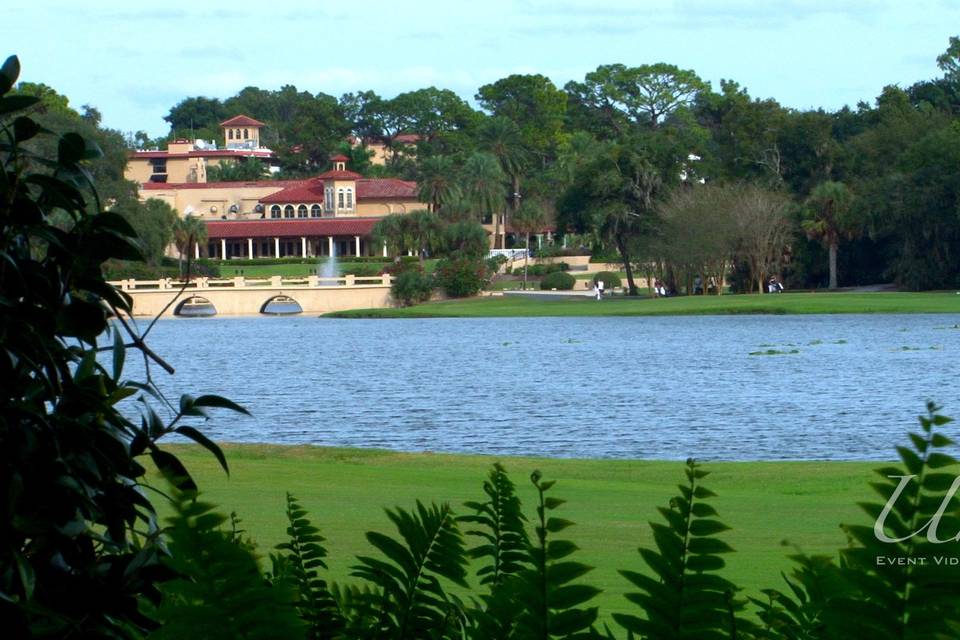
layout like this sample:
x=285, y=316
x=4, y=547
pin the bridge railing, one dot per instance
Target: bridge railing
x=274, y=282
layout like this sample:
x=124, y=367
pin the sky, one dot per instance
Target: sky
x=134, y=60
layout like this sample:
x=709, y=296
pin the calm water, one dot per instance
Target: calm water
x=594, y=387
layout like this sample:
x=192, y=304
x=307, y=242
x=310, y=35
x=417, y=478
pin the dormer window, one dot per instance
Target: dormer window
x=339, y=165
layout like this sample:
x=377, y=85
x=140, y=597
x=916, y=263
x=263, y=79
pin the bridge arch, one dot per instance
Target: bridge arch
x=195, y=307
x=281, y=305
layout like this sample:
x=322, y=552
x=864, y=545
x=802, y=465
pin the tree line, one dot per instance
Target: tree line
x=644, y=161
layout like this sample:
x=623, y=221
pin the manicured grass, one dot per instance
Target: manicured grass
x=799, y=303
x=299, y=270
x=611, y=501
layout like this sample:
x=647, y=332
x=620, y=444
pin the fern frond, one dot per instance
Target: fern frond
x=504, y=549
x=415, y=604
x=803, y=612
x=687, y=599
x=305, y=555
x=552, y=605
x=903, y=591
x=220, y=592
x=505, y=542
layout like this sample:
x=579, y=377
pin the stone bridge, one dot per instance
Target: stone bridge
x=249, y=296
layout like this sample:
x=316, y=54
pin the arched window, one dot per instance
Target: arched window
x=302, y=211
x=340, y=204
x=237, y=134
x=328, y=198
x=230, y=133
x=350, y=199
x=246, y=134
x=288, y=211
x=275, y=211
x=315, y=211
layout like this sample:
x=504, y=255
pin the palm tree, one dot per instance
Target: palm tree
x=828, y=217
x=483, y=185
x=501, y=137
x=188, y=232
x=392, y=232
x=424, y=230
x=438, y=184
x=419, y=231
x=529, y=218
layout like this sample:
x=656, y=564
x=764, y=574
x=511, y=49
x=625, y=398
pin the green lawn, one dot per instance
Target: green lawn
x=611, y=501
x=946, y=302
x=298, y=270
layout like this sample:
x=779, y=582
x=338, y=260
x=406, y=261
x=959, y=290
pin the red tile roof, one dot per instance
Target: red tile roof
x=208, y=153
x=340, y=158
x=160, y=186
x=339, y=174
x=242, y=121
x=385, y=188
x=367, y=188
x=299, y=227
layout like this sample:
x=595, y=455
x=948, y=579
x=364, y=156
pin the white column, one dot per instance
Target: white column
x=539, y=241
x=223, y=249
x=330, y=245
x=356, y=245
x=196, y=250
x=276, y=247
x=250, y=247
x=303, y=246
x=384, y=249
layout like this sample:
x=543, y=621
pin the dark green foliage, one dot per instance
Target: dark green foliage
x=688, y=599
x=549, y=604
x=220, y=592
x=503, y=550
x=79, y=545
x=411, y=600
x=461, y=277
x=411, y=286
x=902, y=600
x=608, y=278
x=806, y=611
x=304, y=558
x=559, y=280
x=248, y=170
x=539, y=270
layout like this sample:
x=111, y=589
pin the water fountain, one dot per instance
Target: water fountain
x=328, y=269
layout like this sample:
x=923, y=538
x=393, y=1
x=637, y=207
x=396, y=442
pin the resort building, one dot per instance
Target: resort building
x=331, y=214
x=187, y=161
x=382, y=151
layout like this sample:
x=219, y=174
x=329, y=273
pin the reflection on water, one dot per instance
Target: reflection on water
x=592, y=387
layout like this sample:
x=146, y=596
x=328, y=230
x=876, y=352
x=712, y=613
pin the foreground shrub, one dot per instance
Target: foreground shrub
x=559, y=280
x=608, y=278
x=411, y=286
x=461, y=277
x=81, y=555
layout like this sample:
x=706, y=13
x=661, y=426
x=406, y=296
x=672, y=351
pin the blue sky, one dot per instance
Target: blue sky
x=134, y=60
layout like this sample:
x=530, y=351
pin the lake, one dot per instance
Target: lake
x=839, y=387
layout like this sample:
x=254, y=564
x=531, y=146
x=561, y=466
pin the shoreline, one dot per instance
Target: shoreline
x=823, y=303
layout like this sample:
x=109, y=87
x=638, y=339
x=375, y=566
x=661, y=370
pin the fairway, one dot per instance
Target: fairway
x=791, y=303
x=611, y=501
